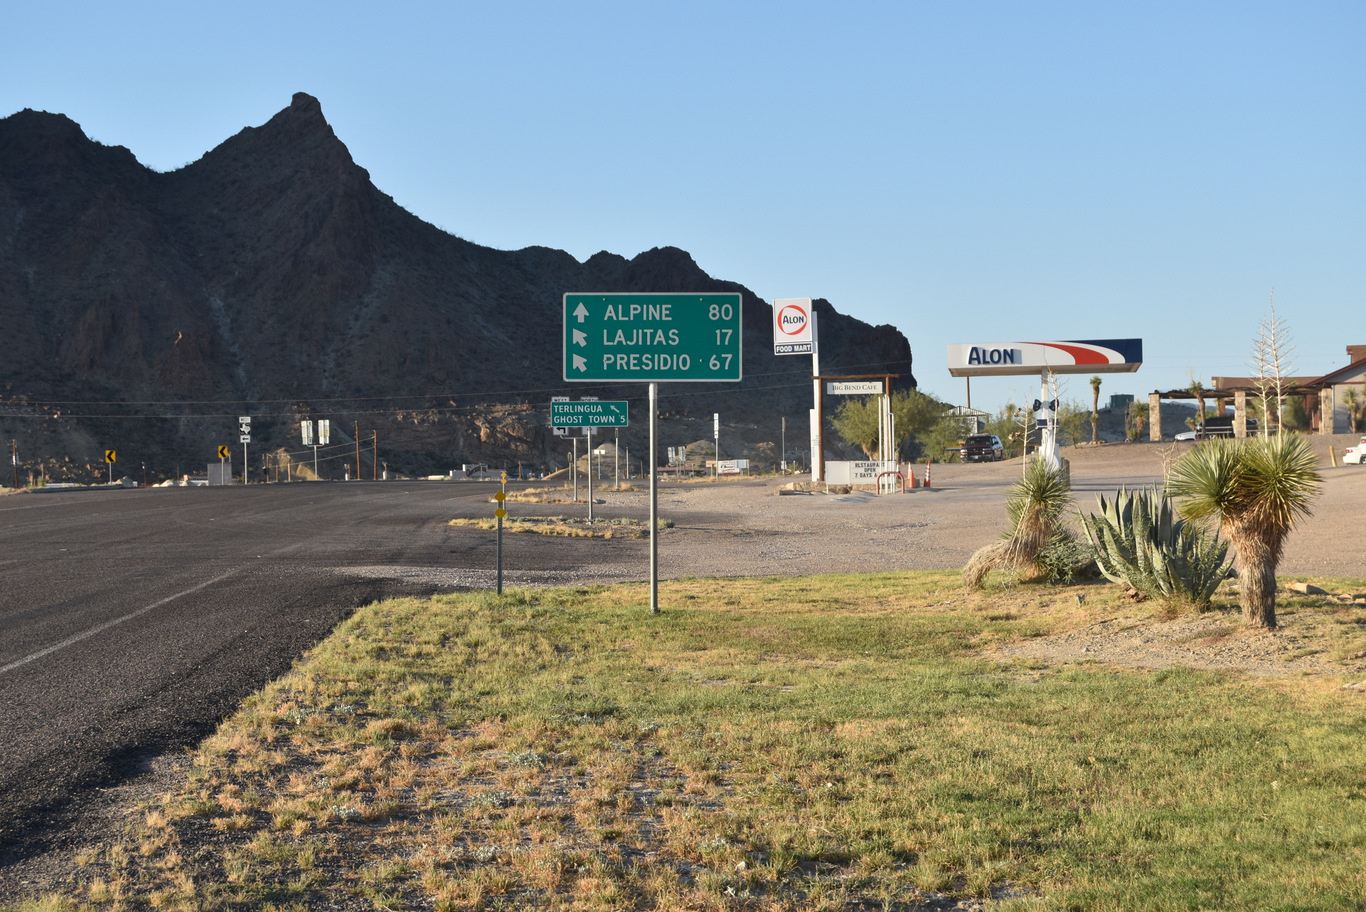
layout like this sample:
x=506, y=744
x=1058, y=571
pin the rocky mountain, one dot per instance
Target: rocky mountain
x=145, y=311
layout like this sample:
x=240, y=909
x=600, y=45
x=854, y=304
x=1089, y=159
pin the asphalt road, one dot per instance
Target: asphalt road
x=132, y=621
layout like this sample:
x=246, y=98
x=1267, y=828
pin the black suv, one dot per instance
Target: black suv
x=1222, y=426
x=982, y=448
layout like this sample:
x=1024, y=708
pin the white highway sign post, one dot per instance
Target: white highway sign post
x=794, y=333
x=653, y=338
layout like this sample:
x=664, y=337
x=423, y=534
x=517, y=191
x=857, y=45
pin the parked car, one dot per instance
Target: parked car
x=1187, y=436
x=1355, y=455
x=1217, y=426
x=982, y=448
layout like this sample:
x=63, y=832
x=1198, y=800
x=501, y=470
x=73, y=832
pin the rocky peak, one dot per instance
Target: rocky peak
x=273, y=278
x=36, y=146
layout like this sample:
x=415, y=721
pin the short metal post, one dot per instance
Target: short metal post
x=502, y=489
x=654, y=500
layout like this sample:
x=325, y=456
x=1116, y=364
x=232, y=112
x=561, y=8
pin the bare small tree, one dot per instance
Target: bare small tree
x=1272, y=362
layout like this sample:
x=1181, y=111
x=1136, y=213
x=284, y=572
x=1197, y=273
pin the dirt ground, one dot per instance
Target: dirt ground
x=745, y=529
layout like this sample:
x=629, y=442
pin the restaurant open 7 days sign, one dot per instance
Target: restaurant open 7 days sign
x=647, y=338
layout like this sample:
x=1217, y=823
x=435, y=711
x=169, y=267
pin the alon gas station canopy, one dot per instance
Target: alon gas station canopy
x=1004, y=359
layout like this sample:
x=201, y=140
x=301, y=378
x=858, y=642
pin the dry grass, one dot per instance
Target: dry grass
x=570, y=527
x=763, y=744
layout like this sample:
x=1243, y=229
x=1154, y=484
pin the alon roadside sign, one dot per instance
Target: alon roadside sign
x=792, y=326
x=1095, y=356
x=590, y=414
x=648, y=338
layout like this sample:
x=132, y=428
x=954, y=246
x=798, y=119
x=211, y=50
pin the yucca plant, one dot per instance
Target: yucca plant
x=1034, y=505
x=1139, y=542
x=1258, y=489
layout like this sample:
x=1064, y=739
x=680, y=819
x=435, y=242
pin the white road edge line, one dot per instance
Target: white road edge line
x=71, y=641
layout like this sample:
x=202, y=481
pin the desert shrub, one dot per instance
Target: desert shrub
x=1066, y=559
x=1034, y=505
x=1138, y=542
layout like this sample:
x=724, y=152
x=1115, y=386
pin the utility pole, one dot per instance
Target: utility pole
x=374, y=470
x=14, y=458
x=356, y=434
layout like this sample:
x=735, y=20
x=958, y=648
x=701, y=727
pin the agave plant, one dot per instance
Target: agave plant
x=1139, y=542
x=1258, y=489
x=1034, y=505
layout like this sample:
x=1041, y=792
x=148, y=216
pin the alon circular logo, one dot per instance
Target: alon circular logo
x=792, y=319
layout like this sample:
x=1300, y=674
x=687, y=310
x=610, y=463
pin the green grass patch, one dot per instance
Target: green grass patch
x=840, y=742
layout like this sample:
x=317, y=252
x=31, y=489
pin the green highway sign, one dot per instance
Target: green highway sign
x=590, y=414
x=652, y=338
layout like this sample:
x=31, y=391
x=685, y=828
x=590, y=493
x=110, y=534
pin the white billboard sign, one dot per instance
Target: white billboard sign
x=1101, y=356
x=840, y=472
x=792, y=324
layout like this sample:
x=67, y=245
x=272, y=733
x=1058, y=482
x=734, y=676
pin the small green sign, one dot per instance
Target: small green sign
x=590, y=414
x=651, y=338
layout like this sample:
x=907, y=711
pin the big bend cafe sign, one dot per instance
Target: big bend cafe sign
x=1000, y=359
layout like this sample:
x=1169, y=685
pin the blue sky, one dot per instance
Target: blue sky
x=968, y=172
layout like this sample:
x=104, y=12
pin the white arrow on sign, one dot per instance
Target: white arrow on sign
x=580, y=363
x=580, y=338
x=581, y=312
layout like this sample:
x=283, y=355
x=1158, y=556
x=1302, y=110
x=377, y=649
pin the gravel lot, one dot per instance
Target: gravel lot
x=743, y=528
